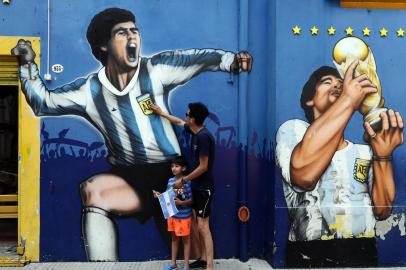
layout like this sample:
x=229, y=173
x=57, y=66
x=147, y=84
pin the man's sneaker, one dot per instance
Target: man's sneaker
x=170, y=267
x=198, y=264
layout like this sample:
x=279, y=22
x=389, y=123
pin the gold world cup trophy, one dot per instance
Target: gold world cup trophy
x=345, y=52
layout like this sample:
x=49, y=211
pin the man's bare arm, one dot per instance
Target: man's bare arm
x=185, y=202
x=383, y=144
x=202, y=168
x=173, y=119
x=313, y=154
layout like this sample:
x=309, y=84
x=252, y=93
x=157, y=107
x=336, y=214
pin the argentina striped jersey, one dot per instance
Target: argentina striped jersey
x=340, y=205
x=132, y=135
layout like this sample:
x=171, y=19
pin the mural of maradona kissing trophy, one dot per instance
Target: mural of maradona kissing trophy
x=345, y=52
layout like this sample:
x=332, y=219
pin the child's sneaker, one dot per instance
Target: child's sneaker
x=170, y=267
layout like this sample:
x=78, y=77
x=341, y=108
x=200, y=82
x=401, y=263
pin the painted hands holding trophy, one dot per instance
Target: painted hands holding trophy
x=383, y=127
x=345, y=52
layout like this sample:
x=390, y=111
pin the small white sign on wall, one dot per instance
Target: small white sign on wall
x=57, y=68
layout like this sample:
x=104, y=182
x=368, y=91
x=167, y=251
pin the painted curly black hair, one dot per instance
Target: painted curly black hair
x=99, y=30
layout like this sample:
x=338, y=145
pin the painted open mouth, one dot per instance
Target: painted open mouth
x=336, y=92
x=132, y=52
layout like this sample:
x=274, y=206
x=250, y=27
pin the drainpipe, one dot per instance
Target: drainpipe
x=48, y=76
x=243, y=135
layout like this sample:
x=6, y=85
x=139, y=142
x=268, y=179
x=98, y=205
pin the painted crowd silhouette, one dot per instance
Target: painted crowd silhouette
x=63, y=147
x=66, y=162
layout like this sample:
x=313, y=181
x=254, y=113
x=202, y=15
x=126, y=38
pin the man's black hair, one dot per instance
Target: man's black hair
x=99, y=29
x=179, y=160
x=198, y=111
x=309, y=89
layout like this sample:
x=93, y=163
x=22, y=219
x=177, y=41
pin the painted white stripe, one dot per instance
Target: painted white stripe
x=144, y=125
x=92, y=111
x=177, y=75
x=111, y=102
x=169, y=132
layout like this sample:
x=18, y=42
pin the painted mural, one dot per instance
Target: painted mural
x=292, y=46
x=335, y=190
x=340, y=214
x=116, y=100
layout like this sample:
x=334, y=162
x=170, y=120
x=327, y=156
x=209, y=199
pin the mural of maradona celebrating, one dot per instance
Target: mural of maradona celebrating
x=115, y=101
x=335, y=190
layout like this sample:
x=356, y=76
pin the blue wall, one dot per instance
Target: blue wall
x=164, y=25
x=254, y=105
x=298, y=56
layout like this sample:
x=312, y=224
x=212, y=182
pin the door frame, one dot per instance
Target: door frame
x=28, y=161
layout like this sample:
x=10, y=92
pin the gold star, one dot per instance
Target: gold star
x=314, y=30
x=331, y=31
x=366, y=31
x=349, y=31
x=384, y=32
x=296, y=30
x=400, y=32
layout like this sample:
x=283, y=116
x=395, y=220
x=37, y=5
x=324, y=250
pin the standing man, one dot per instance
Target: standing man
x=334, y=189
x=203, y=155
x=115, y=100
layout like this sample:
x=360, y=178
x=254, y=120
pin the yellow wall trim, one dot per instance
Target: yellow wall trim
x=28, y=155
x=389, y=4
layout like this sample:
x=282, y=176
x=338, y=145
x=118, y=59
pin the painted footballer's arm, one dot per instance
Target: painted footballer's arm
x=69, y=99
x=178, y=67
x=314, y=153
x=383, y=143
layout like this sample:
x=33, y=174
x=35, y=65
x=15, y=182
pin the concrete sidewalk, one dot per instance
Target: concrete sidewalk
x=252, y=264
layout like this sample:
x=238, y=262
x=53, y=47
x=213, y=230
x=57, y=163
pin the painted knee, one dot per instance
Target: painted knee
x=87, y=193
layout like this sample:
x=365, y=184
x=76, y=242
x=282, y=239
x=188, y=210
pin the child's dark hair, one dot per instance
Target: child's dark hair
x=179, y=160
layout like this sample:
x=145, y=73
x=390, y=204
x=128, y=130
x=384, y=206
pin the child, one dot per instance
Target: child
x=180, y=223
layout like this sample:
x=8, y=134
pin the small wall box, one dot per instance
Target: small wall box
x=388, y=4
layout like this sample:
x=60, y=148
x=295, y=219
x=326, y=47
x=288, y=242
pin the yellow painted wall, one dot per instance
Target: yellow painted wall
x=29, y=161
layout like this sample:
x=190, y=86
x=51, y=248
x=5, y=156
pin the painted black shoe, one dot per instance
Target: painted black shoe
x=198, y=264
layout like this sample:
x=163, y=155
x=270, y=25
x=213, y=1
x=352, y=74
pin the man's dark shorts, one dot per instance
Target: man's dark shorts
x=143, y=179
x=202, y=202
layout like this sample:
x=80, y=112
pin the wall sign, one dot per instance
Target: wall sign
x=57, y=68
